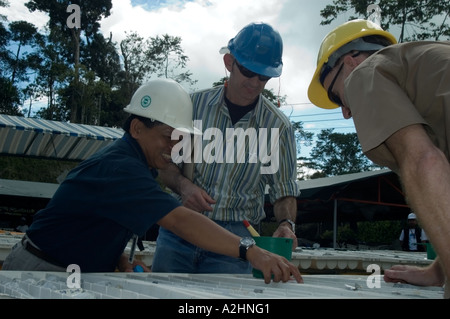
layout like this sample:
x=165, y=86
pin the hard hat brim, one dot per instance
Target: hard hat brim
x=189, y=130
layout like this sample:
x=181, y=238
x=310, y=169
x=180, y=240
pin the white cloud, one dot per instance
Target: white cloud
x=207, y=25
x=17, y=11
x=204, y=26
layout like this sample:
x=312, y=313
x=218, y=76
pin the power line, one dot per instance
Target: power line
x=313, y=121
x=336, y=128
x=318, y=114
x=303, y=103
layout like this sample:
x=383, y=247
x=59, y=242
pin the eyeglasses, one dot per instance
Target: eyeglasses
x=250, y=74
x=332, y=96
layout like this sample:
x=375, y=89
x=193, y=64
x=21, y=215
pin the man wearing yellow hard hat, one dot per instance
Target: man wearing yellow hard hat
x=399, y=98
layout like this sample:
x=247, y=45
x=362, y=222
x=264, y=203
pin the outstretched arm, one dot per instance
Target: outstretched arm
x=203, y=232
x=425, y=174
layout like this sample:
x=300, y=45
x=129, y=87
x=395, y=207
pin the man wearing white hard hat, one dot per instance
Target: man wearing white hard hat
x=114, y=195
x=412, y=235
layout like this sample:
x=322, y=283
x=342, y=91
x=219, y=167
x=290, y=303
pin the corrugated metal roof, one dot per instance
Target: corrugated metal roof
x=362, y=285
x=321, y=260
x=42, y=285
x=52, y=139
x=9, y=187
x=318, y=183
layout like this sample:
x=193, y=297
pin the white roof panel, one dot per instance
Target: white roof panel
x=52, y=139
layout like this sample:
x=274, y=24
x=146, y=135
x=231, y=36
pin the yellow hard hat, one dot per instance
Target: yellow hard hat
x=166, y=101
x=335, y=40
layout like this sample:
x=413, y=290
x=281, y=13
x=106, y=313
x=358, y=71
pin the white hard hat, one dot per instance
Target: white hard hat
x=166, y=101
x=412, y=216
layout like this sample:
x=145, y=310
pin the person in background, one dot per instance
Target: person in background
x=114, y=196
x=229, y=192
x=412, y=234
x=23, y=226
x=399, y=98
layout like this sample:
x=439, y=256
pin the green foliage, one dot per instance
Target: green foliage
x=417, y=19
x=168, y=58
x=9, y=98
x=367, y=232
x=344, y=235
x=338, y=154
x=33, y=169
x=382, y=232
x=78, y=70
x=302, y=137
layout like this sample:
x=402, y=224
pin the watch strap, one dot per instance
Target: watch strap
x=243, y=252
x=286, y=220
x=244, y=244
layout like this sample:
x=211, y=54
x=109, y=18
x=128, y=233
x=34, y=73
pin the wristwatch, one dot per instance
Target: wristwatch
x=290, y=222
x=244, y=245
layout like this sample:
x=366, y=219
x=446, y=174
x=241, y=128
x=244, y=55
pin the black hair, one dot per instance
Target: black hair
x=147, y=122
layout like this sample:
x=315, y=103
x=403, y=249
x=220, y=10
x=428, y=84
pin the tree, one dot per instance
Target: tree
x=3, y=3
x=417, y=19
x=302, y=136
x=338, y=154
x=23, y=34
x=160, y=56
x=134, y=50
x=4, y=38
x=169, y=59
x=90, y=14
x=52, y=76
x=9, y=95
x=102, y=57
x=9, y=98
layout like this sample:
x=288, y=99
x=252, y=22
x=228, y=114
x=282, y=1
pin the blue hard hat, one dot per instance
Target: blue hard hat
x=259, y=48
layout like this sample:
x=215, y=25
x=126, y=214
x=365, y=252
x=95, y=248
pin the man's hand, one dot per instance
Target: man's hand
x=285, y=230
x=272, y=264
x=431, y=275
x=125, y=266
x=195, y=198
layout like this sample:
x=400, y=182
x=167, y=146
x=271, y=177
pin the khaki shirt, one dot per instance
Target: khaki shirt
x=398, y=86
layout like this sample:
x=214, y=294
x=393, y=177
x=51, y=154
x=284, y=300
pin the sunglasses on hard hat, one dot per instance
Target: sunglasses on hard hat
x=250, y=74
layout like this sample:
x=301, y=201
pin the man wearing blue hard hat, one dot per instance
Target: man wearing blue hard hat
x=232, y=192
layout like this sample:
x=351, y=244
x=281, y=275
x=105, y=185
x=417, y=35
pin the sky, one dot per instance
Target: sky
x=207, y=25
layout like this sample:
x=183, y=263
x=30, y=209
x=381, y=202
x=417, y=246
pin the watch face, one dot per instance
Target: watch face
x=247, y=241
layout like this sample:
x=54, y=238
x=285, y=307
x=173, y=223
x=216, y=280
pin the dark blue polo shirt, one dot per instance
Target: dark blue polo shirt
x=101, y=204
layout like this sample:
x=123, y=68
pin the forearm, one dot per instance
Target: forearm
x=201, y=231
x=285, y=208
x=172, y=178
x=425, y=174
x=427, y=186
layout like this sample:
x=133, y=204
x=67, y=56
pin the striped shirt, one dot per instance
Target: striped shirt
x=235, y=163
